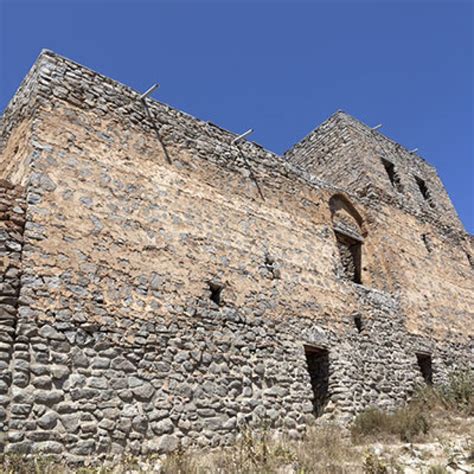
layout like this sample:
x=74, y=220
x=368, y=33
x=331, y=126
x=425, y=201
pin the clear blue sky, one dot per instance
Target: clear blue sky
x=281, y=67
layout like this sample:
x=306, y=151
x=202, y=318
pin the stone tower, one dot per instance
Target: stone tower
x=163, y=287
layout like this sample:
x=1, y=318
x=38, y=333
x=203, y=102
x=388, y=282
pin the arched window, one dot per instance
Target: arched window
x=348, y=227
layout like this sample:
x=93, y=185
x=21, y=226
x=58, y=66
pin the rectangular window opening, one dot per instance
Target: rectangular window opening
x=426, y=368
x=392, y=175
x=350, y=251
x=317, y=361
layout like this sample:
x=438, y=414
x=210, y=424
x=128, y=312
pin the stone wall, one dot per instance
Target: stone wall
x=137, y=215
x=12, y=221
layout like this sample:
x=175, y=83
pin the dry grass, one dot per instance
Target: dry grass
x=456, y=397
x=437, y=470
x=432, y=409
x=323, y=450
x=375, y=465
x=406, y=424
x=19, y=464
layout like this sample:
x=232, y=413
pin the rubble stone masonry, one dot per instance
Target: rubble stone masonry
x=163, y=287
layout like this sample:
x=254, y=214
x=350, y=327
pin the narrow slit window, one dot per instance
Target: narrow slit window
x=470, y=259
x=358, y=322
x=425, y=192
x=426, y=367
x=317, y=361
x=350, y=252
x=392, y=175
x=427, y=242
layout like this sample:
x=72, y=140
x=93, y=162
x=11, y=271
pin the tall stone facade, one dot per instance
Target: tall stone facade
x=163, y=287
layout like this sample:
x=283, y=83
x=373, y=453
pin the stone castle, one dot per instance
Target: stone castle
x=163, y=287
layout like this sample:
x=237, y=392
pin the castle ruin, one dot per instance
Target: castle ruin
x=163, y=286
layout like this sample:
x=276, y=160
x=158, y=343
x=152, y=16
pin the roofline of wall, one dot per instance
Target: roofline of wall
x=338, y=114
x=44, y=53
x=348, y=118
x=32, y=84
x=33, y=80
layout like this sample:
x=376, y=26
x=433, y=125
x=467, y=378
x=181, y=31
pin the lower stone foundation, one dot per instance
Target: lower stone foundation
x=197, y=380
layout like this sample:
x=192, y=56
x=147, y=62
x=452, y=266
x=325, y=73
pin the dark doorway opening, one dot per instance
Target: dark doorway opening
x=426, y=368
x=350, y=251
x=317, y=361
